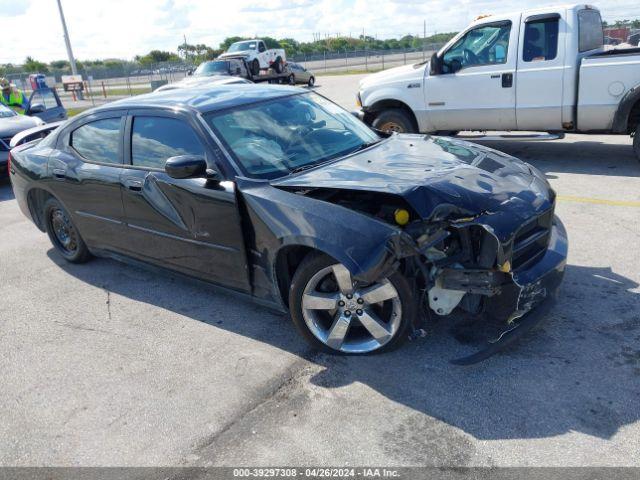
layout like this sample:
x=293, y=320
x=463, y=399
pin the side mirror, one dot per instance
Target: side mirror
x=435, y=64
x=186, y=166
x=189, y=72
x=36, y=108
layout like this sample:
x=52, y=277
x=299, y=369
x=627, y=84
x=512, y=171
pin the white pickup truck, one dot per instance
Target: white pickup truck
x=257, y=56
x=538, y=70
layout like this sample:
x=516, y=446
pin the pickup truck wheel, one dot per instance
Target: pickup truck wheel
x=636, y=142
x=337, y=315
x=312, y=81
x=292, y=79
x=255, y=67
x=394, y=120
x=277, y=65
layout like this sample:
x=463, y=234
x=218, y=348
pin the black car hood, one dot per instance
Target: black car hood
x=437, y=177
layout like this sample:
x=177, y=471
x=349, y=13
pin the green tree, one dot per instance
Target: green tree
x=34, y=66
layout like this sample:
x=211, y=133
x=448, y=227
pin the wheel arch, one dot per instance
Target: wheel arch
x=627, y=116
x=386, y=104
x=288, y=258
x=36, y=198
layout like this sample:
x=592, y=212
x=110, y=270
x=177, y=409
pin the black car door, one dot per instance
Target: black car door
x=85, y=171
x=190, y=225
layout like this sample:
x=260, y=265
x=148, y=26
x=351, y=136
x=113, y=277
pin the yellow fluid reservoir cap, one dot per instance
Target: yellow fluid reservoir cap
x=401, y=216
x=506, y=267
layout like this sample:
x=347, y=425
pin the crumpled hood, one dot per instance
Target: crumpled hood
x=11, y=126
x=242, y=54
x=438, y=177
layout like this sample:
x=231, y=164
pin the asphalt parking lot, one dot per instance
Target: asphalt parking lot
x=106, y=364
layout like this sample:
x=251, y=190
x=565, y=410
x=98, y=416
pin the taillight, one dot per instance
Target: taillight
x=9, y=164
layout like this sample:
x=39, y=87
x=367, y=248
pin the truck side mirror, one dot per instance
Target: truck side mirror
x=435, y=65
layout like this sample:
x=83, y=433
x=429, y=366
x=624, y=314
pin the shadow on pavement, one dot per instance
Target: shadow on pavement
x=6, y=192
x=582, y=157
x=580, y=371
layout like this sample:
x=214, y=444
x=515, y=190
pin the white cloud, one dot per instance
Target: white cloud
x=125, y=28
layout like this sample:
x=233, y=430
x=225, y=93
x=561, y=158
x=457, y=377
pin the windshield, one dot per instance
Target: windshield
x=242, y=46
x=6, y=112
x=274, y=138
x=209, y=69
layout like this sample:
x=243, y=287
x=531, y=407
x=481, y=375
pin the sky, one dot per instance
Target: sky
x=102, y=29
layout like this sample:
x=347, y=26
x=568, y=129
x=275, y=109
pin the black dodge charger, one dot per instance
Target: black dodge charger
x=278, y=193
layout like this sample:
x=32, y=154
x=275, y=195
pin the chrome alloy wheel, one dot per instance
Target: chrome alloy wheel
x=347, y=317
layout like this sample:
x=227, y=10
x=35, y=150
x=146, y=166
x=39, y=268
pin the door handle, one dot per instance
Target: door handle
x=59, y=174
x=507, y=80
x=133, y=184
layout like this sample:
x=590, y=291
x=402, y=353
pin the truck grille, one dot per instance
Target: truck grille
x=531, y=241
x=4, y=144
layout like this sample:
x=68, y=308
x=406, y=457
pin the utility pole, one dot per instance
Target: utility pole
x=72, y=61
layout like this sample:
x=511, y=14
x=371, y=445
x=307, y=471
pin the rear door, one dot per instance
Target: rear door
x=476, y=90
x=48, y=99
x=541, y=70
x=189, y=225
x=85, y=170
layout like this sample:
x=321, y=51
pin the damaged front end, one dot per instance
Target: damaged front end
x=478, y=232
x=504, y=277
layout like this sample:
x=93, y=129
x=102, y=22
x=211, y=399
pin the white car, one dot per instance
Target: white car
x=537, y=70
x=195, y=82
x=257, y=56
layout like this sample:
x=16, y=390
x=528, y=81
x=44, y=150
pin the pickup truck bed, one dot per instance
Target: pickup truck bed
x=604, y=78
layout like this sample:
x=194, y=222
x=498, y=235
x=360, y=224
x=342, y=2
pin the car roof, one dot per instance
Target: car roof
x=205, y=98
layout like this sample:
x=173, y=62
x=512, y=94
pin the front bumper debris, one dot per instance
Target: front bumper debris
x=526, y=300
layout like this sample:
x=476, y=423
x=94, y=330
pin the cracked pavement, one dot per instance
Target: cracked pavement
x=106, y=364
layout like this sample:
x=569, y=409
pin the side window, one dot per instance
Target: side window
x=590, y=30
x=540, y=40
x=98, y=141
x=261, y=47
x=484, y=45
x=156, y=139
x=44, y=97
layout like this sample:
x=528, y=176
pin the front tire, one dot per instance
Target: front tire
x=311, y=82
x=292, y=79
x=394, y=120
x=338, y=316
x=636, y=142
x=63, y=233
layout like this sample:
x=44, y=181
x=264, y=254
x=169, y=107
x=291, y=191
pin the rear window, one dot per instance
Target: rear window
x=98, y=141
x=590, y=30
x=540, y=40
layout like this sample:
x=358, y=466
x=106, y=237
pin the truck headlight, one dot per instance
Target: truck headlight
x=358, y=100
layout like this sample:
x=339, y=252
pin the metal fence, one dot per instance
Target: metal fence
x=116, y=80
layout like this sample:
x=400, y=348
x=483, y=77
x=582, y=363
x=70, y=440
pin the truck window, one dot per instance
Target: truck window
x=261, y=47
x=540, y=40
x=590, y=30
x=483, y=45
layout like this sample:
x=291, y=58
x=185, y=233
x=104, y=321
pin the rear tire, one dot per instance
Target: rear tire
x=394, y=120
x=63, y=234
x=379, y=322
x=636, y=142
x=255, y=67
x=277, y=65
x=292, y=79
x=312, y=81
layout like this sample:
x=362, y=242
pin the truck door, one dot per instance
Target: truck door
x=476, y=88
x=541, y=72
